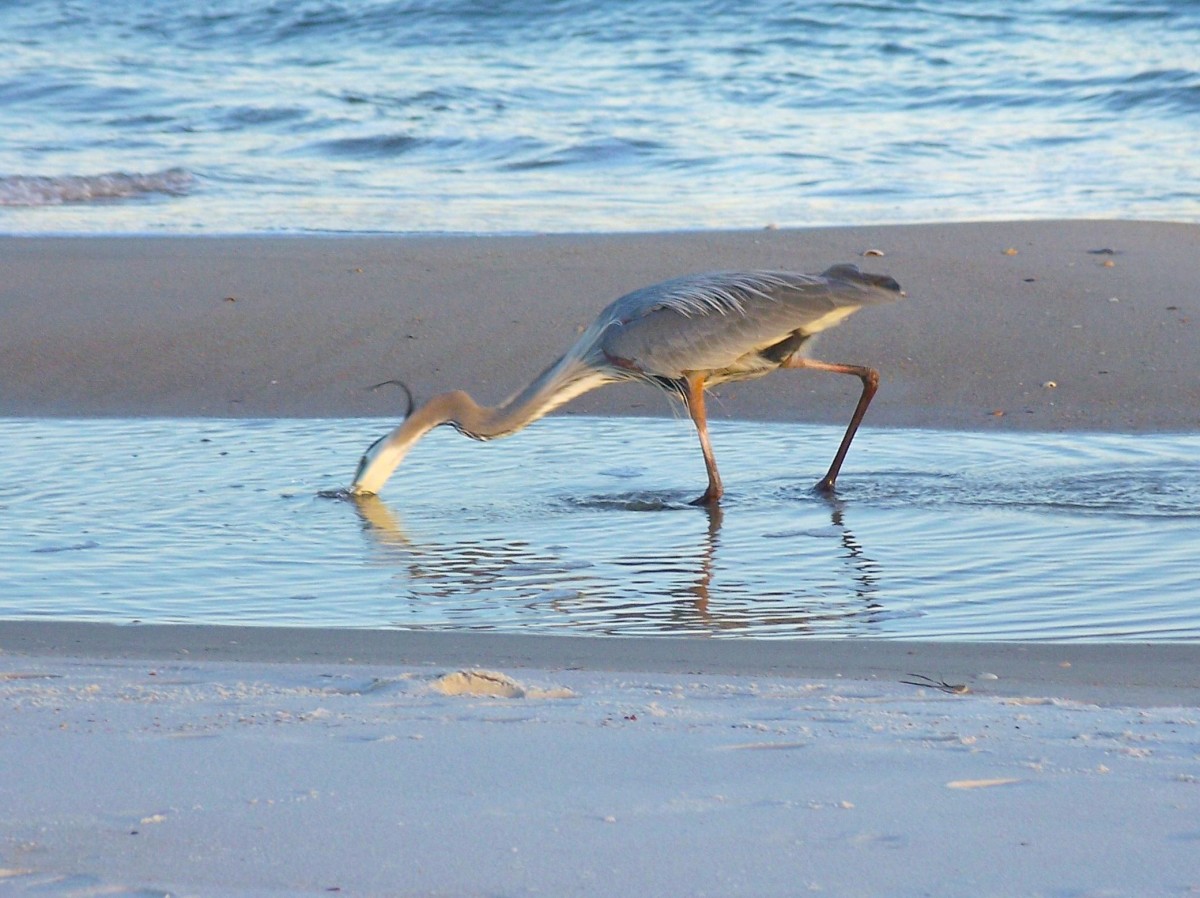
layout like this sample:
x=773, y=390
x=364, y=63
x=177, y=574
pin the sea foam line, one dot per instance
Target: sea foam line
x=38, y=190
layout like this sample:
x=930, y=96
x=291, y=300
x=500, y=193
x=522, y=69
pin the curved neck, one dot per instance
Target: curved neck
x=559, y=383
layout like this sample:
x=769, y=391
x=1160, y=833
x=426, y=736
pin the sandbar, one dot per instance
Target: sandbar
x=1052, y=326
x=230, y=761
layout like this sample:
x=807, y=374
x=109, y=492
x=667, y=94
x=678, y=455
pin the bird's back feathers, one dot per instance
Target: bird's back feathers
x=719, y=292
x=721, y=321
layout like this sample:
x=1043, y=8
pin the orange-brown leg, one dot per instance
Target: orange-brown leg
x=870, y=382
x=694, y=398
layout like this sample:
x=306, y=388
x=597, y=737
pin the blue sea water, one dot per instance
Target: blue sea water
x=203, y=116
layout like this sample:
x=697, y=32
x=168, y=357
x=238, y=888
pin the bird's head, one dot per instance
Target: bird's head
x=852, y=274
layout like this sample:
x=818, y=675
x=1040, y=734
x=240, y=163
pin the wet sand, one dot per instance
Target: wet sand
x=1166, y=674
x=214, y=761
x=304, y=326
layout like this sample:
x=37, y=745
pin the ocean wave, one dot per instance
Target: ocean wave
x=593, y=115
x=37, y=190
x=374, y=146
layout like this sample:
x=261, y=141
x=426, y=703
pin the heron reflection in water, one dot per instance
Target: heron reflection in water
x=614, y=586
x=683, y=336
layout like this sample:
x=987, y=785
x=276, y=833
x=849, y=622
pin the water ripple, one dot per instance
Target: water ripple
x=598, y=115
x=933, y=535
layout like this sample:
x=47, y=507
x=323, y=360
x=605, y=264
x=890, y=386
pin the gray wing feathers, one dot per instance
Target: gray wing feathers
x=720, y=292
x=710, y=321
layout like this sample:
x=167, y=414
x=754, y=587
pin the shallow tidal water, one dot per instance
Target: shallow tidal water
x=581, y=525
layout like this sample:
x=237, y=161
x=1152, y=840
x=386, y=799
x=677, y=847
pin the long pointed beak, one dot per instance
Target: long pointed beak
x=363, y=464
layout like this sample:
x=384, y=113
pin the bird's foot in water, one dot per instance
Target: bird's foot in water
x=344, y=492
x=825, y=487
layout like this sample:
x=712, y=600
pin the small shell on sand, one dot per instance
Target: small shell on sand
x=489, y=682
x=982, y=783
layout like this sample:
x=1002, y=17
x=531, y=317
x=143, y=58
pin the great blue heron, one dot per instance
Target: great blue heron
x=683, y=336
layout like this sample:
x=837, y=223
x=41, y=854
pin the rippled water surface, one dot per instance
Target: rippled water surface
x=202, y=116
x=582, y=525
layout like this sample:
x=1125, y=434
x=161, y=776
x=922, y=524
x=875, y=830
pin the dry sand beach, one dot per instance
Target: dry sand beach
x=247, y=762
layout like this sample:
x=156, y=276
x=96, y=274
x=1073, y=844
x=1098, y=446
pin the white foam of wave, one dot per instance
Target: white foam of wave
x=35, y=190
